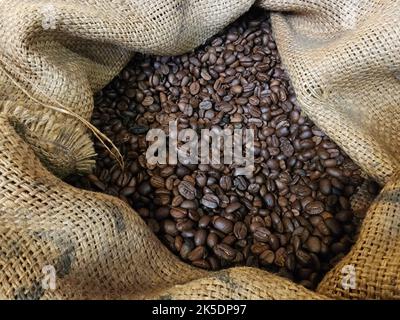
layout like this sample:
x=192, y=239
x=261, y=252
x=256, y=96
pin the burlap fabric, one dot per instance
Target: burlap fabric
x=343, y=58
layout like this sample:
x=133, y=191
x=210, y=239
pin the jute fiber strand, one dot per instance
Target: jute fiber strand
x=343, y=58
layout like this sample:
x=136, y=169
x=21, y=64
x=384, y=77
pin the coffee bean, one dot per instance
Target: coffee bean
x=200, y=237
x=148, y=101
x=232, y=207
x=313, y=244
x=194, y=88
x=187, y=190
x=212, y=240
x=223, y=225
x=197, y=253
x=280, y=257
x=162, y=213
x=201, y=179
x=262, y=234
x=333, y=226
x=178, y=213
x=223, y=251
x=225, y=182
x=334, y=172
x=269, y=200
x=325, y=186
x=186, y=248
x=204, y=221
x=303, y=257
x=210, y=201
x=205, y=105
x=344, y=216
x=314, y=207
x=240, y=230
x=267, y=257
x=170, y=228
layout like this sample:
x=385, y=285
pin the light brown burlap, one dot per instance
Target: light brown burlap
x=343, y=58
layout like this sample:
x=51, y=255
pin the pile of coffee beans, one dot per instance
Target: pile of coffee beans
x=292, y=216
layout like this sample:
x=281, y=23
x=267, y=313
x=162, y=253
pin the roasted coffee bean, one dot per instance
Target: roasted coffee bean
x=170, y=227
x=197, y=253
x=233, y=207
x=186, y=248
x=178, y=213
x=200, y=237
x=334, y=172
x=280, y=257
x=240, y=230
x=269, y=200
x=225, y=252
x=344, y=216
x=267, y=257
x=291, y=214
x=315, y=207
x=212, y=240
x=262, y=234
x=187, y=190
x=325, y=186
x=226, y=183
x=333, y=226
x=223, y=225
x=313, y=244
x=210, y=201
x=204, y=221
x=303, y=257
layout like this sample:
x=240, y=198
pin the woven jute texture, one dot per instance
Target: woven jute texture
x=343, y=58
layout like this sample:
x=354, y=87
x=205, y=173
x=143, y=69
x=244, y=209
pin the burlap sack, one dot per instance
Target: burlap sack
x=343, y=58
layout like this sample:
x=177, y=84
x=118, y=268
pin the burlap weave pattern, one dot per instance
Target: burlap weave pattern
x=343, y=58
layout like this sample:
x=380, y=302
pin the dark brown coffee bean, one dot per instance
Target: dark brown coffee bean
x=233, y=207
x=267, y=257
x=170, y=228
x=225, y=182
x=334, y=172
x=127, y=191
x=223, y=225
x=204, y=221
x=313, y=244
x=187, y=190
x=210, y=201
x=262, y=234
x=344, y=216
x=240, y=230
x=212, y=240
x=223, y=251
x=200, y=237
x=197, y=253
x=194, y=88
x=303, y=257
x=315, y=207
x=269, y=200
x=325, y=186
x=330, y=163
x=333, y=226
x=162, y=213
x=188, y=204
x=274, y=242
x=186, y=248
x=178, y=213
x=280, y=257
